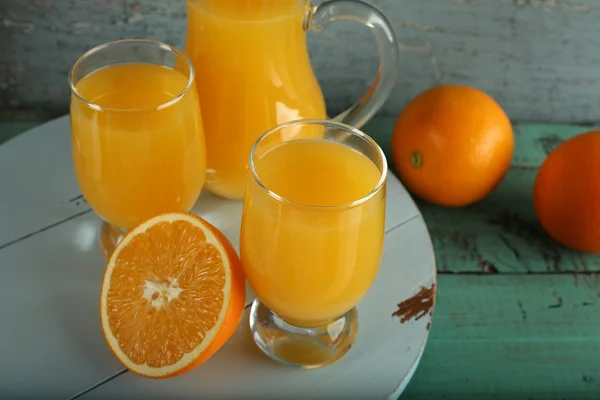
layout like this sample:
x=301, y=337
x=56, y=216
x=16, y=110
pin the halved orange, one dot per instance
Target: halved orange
x=173, y=293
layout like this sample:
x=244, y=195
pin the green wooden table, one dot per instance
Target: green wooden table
x=517, y=315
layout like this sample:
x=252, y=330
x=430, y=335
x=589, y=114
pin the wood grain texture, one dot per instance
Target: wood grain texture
x=520, y=337
x=538, y=58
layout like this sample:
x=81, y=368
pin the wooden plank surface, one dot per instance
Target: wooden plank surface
x=53, y=278
x=517, y=337
x=538, y=58
x=522, y=334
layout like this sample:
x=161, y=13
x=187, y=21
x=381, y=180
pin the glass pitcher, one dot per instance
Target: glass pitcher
x=254, y=73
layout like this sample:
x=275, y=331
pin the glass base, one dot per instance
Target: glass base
x=110, y=236
x=302, y=347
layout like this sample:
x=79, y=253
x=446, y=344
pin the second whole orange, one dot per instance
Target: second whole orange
x=566, y=193
x=452, y=145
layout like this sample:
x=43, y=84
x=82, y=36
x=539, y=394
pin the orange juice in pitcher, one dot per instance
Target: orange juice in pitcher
x=253, y=73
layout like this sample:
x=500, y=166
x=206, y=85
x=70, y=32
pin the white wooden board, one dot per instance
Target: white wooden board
x=51, y=342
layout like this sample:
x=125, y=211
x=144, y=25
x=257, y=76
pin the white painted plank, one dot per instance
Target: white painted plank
x=38, y=185
x=37, y=180
x=51, y=341
x=51, y=286
x=383, y=357
x=399, y=204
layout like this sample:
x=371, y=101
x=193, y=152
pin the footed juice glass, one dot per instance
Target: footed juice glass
x=137, y=135
x=311, y=237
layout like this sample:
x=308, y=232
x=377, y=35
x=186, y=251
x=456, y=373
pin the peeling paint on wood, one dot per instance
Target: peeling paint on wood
x=538, y=58
x=417, y=306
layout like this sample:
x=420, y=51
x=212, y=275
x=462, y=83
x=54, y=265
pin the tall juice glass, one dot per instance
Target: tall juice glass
x=311, y=237
x=136, y=126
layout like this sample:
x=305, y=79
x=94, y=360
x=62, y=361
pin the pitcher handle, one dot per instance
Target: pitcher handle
x=387, y=45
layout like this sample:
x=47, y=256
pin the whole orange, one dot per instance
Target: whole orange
x=566, y=195
x=452, y=145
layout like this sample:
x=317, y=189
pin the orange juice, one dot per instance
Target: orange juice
x=253, y=73
x=312, y=257
x=136, y=154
